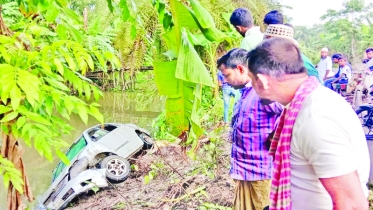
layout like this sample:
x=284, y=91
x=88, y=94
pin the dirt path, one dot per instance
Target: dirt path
x=204, y=182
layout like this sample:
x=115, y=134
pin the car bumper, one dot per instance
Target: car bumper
x=83, y=182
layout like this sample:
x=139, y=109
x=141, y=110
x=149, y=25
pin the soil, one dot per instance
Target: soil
x=178, y=183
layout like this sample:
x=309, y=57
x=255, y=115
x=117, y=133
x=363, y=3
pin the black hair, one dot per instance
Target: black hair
x=288, y=24
x=273, y=17
x=276, y=57
x=241, y=17
x=342, y=57
x=234, y=57
x=336, y=56
x=369, y=50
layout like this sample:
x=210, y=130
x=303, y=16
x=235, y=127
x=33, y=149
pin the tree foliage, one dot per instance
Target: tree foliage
x=346, y=31
x=42, y=61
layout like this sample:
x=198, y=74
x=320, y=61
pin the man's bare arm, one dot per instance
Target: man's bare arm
x=346, y=192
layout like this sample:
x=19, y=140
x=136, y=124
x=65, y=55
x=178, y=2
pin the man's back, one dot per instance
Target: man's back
x=312, y=71
x=328, y=141
x=252, y=38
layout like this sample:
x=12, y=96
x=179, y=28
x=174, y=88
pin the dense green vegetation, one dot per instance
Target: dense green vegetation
x=56, y=56
x=49, y=49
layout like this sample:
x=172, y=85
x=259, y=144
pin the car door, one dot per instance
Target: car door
x=123, y=141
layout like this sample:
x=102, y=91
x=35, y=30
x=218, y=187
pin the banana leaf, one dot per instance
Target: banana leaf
x=203, y=16
x=180, y=96
x=181, y=80
x=189, y=66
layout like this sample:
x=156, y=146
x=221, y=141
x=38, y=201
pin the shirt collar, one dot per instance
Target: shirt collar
x=252, y=30
x=247, y=87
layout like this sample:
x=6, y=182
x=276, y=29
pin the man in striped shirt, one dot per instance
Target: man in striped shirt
x=252, y=122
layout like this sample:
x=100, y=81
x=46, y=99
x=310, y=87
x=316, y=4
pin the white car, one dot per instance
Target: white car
x=99, y=155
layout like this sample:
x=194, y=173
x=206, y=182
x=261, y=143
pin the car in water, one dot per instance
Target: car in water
x=99, y=156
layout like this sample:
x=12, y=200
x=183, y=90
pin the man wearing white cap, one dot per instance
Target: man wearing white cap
x=284, y=31
x=325, y=65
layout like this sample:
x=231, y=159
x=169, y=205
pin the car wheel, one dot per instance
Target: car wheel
x=148, y=141
x=117, y=168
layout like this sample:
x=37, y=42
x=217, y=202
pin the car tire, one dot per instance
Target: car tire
x=117, y=168
x=148, y=141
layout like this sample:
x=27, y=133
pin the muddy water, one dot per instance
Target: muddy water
x=140, y=108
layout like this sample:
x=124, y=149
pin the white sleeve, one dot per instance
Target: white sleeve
x=329, y=64
x=344, y=70
x=327, y=147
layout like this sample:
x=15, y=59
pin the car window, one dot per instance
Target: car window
x=99, y=134
x=74, y=150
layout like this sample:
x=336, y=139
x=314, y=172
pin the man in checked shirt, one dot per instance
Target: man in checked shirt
x=253, y=120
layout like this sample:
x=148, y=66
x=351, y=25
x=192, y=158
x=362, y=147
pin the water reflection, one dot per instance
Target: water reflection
x=131, y=107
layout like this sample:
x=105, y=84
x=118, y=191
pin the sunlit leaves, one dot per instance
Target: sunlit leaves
x=9, y=117
x=21, y=122
x=125, y=11
x=182, y=79
x=11, y=174
x=189, y=65
x=15, y=96
x=36, y=92
x=4, y=109
x=59, y=65
x=96, y=114
x=110, y=5
x=63, y=157
x=82, y=111
x=203, y=16
x=71, y=14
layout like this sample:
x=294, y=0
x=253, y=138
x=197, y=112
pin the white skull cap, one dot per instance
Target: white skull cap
x=324, y=49
x=281, y=30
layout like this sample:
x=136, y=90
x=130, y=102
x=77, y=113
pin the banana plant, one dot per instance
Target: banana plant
x=181, y=79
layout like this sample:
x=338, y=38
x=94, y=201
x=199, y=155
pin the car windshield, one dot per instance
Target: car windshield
x=74, y=150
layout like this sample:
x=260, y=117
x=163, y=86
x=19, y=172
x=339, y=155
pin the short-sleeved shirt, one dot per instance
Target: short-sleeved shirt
x=253, y=37
x=324, y=65
x=327, y=141
x=223, y=81
x=346, y=70
x=369, y=63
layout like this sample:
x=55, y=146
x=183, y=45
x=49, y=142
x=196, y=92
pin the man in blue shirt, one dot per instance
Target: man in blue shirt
x=336, y=57
x=228, y=91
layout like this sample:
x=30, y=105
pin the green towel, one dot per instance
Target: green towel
x=312, y=71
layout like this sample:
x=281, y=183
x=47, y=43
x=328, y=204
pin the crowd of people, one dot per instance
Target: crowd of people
x=296, y=144
x=344, y=73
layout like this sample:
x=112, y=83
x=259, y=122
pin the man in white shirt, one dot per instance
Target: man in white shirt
x=329, y=159
x=325, y=65
x=243, y=22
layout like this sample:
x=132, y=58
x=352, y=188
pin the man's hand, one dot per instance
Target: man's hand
x=346, y=192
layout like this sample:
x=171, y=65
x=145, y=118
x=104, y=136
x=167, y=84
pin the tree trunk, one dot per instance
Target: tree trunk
x=11, y=150
x=353, y=49
x=85, y=16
